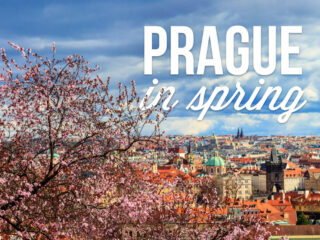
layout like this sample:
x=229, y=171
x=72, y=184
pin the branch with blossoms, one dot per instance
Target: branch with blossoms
x=191, y=209
x=64, y=161
x=59, y=125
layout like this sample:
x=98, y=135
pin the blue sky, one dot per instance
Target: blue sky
x=110, y=34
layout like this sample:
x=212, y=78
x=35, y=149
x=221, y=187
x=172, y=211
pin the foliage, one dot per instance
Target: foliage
x=64, y=162
x=302, y=219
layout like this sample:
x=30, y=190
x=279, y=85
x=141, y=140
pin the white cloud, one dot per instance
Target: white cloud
x=303, y=120
x=311, y=93
x=232, y=121
x=310, y=53
x=119, y=67
x=263, y=124
x=187, y=126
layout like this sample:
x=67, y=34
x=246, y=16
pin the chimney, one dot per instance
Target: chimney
x=283, y=196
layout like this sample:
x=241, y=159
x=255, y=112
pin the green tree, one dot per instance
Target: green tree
x=302, y=219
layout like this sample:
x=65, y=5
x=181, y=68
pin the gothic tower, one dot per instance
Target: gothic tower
x=241, y=133
x=190, y=154
x=275, y=176
x=238, y=134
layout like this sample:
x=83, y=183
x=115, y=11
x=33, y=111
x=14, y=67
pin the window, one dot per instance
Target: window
x=211, y=170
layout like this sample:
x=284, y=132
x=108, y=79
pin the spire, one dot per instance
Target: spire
x=238, y=133
x=274, y=156
x=189, y=148
x=241, y=133
x=204, y=157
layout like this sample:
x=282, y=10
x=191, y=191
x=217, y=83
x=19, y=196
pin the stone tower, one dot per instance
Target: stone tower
x=275, y=176
x=214, y=141
x=190, y=154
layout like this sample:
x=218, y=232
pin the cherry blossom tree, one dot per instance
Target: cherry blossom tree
x=65, y=142
x=191, y=209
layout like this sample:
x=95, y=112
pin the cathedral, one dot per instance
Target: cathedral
x=240, y=134
x=215, y=166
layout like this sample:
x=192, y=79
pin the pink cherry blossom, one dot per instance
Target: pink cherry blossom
x=65, y=170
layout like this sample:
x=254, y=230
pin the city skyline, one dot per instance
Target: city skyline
x=202, y=121
x=111, y=35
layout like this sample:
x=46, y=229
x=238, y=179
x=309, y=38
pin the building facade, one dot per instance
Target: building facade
x=275, y=173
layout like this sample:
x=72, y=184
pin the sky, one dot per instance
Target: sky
x=111, y=34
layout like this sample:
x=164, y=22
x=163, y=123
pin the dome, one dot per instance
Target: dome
x=55, y=154
x=215, y=161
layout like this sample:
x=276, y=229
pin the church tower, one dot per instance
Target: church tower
x=204, y=157
x=238, y=134
x=214, y=141
x=275, y=172
x=190, y=155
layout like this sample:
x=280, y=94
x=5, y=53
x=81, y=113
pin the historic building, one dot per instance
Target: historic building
x=293, y=178
x=239, y=134
x=215, y=165
x=211, y=144
x=275, y=173
x=244, y=186
x=259, y=182
x=312, y=181
x=283, y=175
x=239, y=187
x=214, y=141
x=177, y=151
